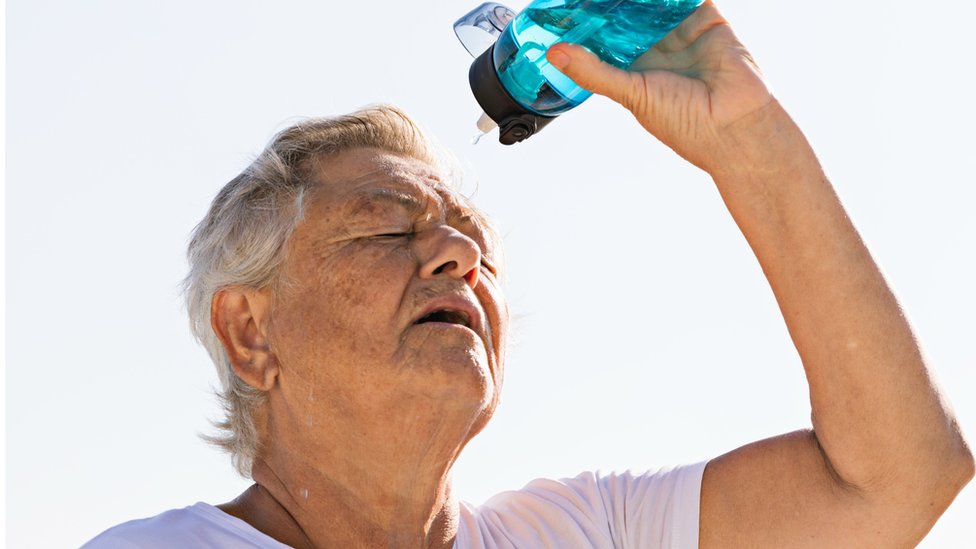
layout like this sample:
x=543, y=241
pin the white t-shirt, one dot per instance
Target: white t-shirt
x=651, y=510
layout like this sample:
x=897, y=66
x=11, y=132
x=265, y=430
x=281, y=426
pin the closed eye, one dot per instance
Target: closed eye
x=388, y=236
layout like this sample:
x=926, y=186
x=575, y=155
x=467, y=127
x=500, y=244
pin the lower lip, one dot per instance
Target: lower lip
x=443, y=325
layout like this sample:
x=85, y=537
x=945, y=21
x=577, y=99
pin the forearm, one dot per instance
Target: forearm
x=876, y=412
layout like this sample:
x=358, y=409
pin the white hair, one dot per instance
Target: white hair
x=242, y=239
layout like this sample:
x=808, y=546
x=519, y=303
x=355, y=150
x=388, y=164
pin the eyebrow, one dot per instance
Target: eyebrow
x=415, y=205
x=365, y=201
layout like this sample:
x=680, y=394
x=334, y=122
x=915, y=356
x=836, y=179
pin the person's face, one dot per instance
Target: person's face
x=388, y=301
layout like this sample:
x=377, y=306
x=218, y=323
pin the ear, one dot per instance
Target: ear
x=240, y=318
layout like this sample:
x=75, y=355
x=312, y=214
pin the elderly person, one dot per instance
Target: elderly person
x=350, y=299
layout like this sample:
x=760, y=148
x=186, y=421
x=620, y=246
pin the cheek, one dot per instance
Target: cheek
x=344, y=306
x=499, y=312
x=496, y=309
x=369, y=285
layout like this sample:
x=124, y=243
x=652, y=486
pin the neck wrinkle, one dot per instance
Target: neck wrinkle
x=393, y=501
x=374, y=477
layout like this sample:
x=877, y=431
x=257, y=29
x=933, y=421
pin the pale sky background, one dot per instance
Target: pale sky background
x=647, y=335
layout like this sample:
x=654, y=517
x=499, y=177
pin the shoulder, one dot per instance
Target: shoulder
x=603, y=493
x=200, y=525
x=651, y=509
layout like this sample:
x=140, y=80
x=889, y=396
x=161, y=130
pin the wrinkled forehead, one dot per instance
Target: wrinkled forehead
x=363, y=181
x=406, y=178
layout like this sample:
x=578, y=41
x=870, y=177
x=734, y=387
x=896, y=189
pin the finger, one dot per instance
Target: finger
x=588, y=71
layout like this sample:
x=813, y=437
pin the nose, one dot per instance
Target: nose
x=449, y=252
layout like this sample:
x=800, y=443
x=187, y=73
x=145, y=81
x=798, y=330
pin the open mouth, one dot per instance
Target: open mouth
x=447, y=316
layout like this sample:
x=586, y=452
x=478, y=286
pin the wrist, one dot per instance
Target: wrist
x=764, y=146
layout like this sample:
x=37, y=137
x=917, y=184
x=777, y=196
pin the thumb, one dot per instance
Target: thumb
x=588, y=71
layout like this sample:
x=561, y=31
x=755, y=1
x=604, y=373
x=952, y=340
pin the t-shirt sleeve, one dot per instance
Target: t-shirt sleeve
x=656, y=509
x=653, y=509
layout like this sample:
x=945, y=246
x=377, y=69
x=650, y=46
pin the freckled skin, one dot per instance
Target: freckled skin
x=368, y=410
x=350, y=300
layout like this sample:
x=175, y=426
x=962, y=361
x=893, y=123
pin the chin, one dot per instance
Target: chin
x=460, y=385
x=459, y=377
x=451, y=367
x=466, y=377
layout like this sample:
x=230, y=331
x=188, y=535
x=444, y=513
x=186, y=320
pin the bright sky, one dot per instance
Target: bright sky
x=647, y=335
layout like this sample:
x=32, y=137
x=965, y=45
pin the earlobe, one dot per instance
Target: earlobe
x=239, y=317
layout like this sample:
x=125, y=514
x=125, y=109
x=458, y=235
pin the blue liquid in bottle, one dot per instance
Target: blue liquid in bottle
x=617, y=31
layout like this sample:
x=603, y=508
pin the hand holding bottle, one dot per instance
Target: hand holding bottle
x=880, y=425
x=698, y=90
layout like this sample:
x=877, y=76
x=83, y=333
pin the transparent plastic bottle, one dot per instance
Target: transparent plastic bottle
x=514, y=83
x=617, y=31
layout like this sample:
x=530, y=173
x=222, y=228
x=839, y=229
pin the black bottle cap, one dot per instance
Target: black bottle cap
x=515, y=122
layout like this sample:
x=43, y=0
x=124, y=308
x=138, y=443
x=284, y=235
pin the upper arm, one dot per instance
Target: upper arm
x=782, y=492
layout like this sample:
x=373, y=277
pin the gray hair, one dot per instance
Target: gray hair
x=242, y=239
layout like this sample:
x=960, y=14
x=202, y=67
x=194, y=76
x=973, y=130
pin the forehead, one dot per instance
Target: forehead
x=346, y=178
x=363, y=182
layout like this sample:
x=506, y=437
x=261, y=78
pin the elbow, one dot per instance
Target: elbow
x=967, y=466
x=940, y=475
x=943, y=485
x=957, y=470
x=948, y=464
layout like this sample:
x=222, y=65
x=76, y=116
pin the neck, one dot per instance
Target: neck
x=356, y=491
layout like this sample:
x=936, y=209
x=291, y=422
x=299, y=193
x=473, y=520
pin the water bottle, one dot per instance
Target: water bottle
x=518, y=89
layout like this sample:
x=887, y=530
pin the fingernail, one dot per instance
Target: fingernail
x=558, y=59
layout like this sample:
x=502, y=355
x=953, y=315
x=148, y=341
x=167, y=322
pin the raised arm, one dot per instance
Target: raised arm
x=885, y=456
